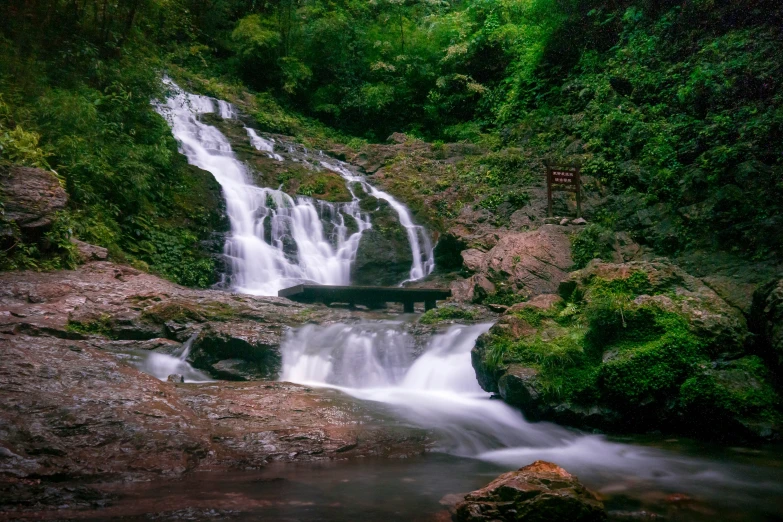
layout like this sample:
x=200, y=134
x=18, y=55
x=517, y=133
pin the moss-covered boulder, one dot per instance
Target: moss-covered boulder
x=631, y=347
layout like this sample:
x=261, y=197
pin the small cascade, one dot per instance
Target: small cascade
x=438, y=390
x=421, y=245
x=161, y=365
x=263, y=144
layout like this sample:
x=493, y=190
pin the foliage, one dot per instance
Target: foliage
x=92, y=122
x=593, y=241
x=446, y=313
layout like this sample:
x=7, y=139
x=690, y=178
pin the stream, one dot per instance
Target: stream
x=433, y=387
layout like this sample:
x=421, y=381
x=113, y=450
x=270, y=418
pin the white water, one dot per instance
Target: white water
x=277, y=241
x=161, y=365
x=437, y=390
x=263, y=144
x=421, y=246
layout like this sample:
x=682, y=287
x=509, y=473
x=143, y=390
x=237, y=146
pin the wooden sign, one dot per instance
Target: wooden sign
x=565, y=179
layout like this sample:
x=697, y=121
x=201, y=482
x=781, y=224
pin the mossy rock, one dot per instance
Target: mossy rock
x=447, y=314
x=635, y=347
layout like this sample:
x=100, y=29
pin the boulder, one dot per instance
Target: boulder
x=533, y=262
x=637, y=346
x=670, y=288
x=238, y=351
x=384, y=255
x=540, y=492
x=32, y=197
x=472, y=290
x=517, y=386
x=88, y=252
x=175, y=378
x=472, y=259
x=482, y=287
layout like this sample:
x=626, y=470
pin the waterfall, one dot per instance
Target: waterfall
x=421, y=246
x=263, y=144
x=276, y=240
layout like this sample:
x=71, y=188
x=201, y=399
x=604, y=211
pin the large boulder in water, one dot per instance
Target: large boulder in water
x=540, y=492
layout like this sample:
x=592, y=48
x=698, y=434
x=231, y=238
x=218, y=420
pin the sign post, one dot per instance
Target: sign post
x=565, y=179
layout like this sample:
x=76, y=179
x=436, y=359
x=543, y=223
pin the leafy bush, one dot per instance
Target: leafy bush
x=593, y=241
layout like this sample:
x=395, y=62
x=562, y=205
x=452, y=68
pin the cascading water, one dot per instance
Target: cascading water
x=421, y=246
x=161, y=365
x=437, y=390
x=278, y=241
x=263, y=144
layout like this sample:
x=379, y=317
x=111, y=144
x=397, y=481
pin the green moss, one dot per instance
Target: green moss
x=446, y=313
x=740, y=389
x=593, y=241
x=504, y=296
x=99, y=326
x=608, y=349
x=640, y=372
x=182, y=312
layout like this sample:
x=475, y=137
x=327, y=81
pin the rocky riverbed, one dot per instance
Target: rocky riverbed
x=71, y=409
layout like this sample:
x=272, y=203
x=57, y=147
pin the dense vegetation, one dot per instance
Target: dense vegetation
x=674, y=108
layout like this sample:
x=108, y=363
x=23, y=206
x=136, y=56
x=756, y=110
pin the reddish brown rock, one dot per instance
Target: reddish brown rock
x=32, y=196
x=540, y=492
x=71, y=410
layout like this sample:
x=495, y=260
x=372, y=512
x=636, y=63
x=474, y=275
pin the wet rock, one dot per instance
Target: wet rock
x=517, y=386
x=99, y=417
x=461, y=291
x=482, y=287
x=238, y=351
x=541, y=492
x=384, y=255
x=175, y=378
x=32, y=197
x=88, y=252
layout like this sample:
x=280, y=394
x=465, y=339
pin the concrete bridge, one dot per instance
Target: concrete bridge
x=369, y=296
